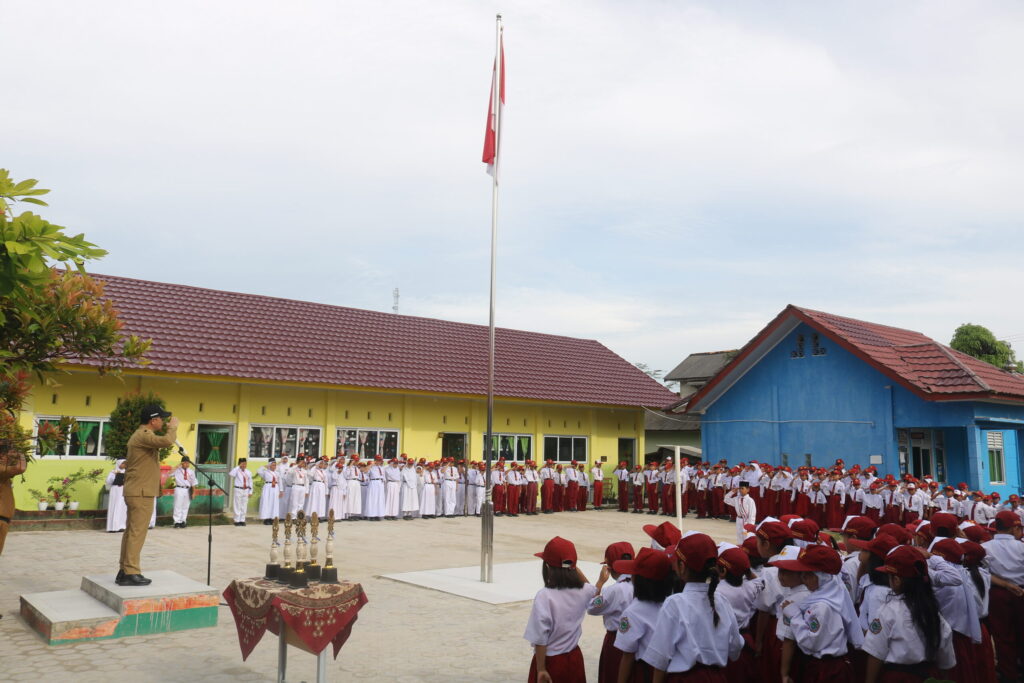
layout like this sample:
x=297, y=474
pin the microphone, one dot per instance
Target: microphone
x=181, y=449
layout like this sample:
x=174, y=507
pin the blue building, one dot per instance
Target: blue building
x=812, y=387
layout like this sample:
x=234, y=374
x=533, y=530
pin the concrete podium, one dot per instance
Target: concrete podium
x=101, y=609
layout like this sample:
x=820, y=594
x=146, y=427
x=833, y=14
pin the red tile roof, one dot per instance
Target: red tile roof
x=931, y=370
x=211, y=332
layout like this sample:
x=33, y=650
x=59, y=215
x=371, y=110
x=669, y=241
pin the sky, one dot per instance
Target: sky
x=673, y=173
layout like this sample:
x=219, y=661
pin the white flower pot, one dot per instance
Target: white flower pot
x=73, y=505
x=43, y=505
x=59, y=505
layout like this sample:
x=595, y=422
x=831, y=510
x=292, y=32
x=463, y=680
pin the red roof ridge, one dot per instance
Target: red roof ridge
x=963, y=366
x=861, y=322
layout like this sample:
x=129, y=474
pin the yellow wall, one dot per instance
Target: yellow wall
x=419, y=417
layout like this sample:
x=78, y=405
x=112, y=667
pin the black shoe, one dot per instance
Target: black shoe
x=241, y=524
x=268, y=522
x=134, y=580
x=120, y=576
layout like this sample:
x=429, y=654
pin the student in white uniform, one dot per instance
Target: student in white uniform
x=272, y=493
x=392, y=490
x=241, y=489
x=872, y=585
x=428, y=502
x=298, y=478
x=823, y=622
x=746, y=511
x=316, y=501
x=184, y=482
x=556, y=618
x=410, y=491
x=337, y=489
x=373, y=506
x=609, y=603
x=1005, y=554
x=908, y=636
x=476, y=489
x=653, y=580
x=740, y=587
x=354, y=480
x=694, y=630
x=117, y=511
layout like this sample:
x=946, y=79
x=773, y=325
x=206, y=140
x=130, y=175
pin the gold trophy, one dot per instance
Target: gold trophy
x=312, y=568
x=299, y=578
x=284, y=574
x=273, y=567
x=329, y=573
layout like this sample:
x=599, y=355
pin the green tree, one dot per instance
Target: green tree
x=978, y=341
x=124, y=420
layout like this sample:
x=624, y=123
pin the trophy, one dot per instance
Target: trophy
x=312, y=568
x=273, y=567
x=329, y=573
x=284, y=574
x=299, y=578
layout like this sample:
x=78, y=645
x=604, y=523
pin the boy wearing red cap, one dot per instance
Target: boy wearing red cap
x=556, y=618
x=746, y=511
x=637, y=481
x=652, y=477
x=740, y=588
x=695, y=635
x=822, y=624
x=621, y=475
x=609, y=604
x=652, y=584
x=597, y=483
x=547, y=488
x=1006, y=607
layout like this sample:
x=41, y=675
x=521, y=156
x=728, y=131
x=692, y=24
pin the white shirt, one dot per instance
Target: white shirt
x=817, y=625
x=1005, y=556
x=614, y=598
x=556, y=619
x=597, y=474
x=186, y=478
x=743, y=599
x=685, y=634
x=636, y=626
x=242, y=479
x=893, y=637
x=746, y=510
x=872, y=597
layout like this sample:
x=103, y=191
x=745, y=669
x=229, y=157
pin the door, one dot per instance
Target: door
x=215, y=450
x=453, y=446
x=921, y=452
x=627, y=452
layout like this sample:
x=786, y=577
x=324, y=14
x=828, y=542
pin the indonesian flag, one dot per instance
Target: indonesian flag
x=495, y=111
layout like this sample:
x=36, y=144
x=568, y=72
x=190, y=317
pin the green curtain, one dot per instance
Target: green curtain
x=524, y=446
x=84, y=430
x=214, y=439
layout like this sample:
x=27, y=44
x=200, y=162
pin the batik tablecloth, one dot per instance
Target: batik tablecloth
x=317, y=615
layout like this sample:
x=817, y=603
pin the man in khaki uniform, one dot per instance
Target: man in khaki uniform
x=12, y=464
x=141, y=487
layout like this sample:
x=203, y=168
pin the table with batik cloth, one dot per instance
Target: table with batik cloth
x=313, y=617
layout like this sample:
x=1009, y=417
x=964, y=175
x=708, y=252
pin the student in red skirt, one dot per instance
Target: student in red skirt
x=653, y=581
x=957, y=606
x=558, y=499
x=908, y=639
x=695, y=635
x=556, y=618
x=981, y=587
x=873, y=501
x=818, y=499
x=772, y=537
x=609, y=604
x=835, y=508
x=636, y=481
x=801, y=489
x=740, y=587
x=855, y=498
x=1006, y=607
x=822, y=622
x=892, y=503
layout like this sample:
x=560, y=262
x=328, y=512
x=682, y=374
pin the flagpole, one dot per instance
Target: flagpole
x=487, y=514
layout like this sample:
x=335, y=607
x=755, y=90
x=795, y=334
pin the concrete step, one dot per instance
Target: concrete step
x=101, y=609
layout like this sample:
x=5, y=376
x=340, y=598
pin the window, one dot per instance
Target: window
x=512, y=447
x=798, y=352
x=816, y=348
x=267, y=441
x=87, y=438
x=996, y=474
x=565, y=448
x=367, y=442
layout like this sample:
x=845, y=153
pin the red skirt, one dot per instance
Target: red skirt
x=623, y=497
x=770, y=661
x=966, y=669
x=566, y=668
x=598, y=493
x=498, y=497
x=771, y=499
x=608, y=664
x=785, y=505
x=872, y=514
x=547, y=493
x=803, y=505
x=556, y=499
x=834, y=512
x=808, y=669
x=984, y=656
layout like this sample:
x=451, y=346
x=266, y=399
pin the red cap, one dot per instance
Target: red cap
x=774, y=532
x=880, y=545
x=1006, y=519
x=558, y=553
x=896, y=531
x=973, y=553
x=948, y=549
x=978, y=534
x=944, y=521
x=813, y=558
x=749, y=546
x=666, y=533
x=786, y=519
x=649, y=563
x=859, y=527
x=905, y=561
x=623, y=550
x=735, y=561
x=805, y=530
x=696, y=550
x=924, y=530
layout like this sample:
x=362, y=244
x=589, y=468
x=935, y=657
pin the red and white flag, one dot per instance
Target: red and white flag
x=495, y=110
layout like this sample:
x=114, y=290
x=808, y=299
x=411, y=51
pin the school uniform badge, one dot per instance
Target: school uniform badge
x=814, y=625
x=623, y=624
x=598, y=601
x=875, y=626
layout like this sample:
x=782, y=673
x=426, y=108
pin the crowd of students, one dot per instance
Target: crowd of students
x=890, y=597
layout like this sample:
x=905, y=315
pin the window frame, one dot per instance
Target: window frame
x=496, y=453
x=275, y=426
x=100, y=451
x=996, y=455
x=378, y=430
x=573, y=456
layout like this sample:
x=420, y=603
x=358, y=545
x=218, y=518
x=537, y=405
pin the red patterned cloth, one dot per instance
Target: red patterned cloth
x=319, y=614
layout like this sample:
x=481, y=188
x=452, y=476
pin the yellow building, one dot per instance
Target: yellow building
x=250, y=376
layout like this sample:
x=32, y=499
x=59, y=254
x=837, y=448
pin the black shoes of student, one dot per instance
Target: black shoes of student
x=133, y=580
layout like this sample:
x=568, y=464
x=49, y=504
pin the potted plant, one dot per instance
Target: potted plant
x=61, y=487
x=44, y=501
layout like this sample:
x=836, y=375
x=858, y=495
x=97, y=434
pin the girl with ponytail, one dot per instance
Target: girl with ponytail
x=898, y=653
x=695, y=635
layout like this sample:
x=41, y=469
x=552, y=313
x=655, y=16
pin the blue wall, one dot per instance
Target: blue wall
x=859, y=410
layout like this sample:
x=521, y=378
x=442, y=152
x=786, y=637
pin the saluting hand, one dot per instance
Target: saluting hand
x=173, y=422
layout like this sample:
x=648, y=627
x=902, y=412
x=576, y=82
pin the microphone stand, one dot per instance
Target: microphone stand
x=209, y=517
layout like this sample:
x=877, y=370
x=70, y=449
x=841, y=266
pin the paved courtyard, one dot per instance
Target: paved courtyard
x=405, y=633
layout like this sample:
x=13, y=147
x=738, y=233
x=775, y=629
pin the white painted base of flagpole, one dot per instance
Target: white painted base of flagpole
x=513, y=581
